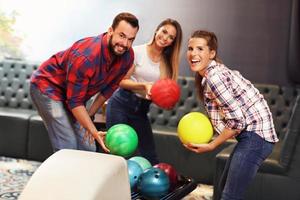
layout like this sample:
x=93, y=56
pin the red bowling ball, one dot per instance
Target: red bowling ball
x=170, y=171
x=165, y=93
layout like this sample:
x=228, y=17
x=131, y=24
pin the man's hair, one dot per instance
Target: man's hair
x=128, y=17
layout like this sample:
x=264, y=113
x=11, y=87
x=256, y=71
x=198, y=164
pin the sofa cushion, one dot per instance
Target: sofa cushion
x=198, y=166
x=281, y=101
x=13, y=132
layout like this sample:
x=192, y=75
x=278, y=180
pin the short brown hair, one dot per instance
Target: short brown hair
x=128, y=17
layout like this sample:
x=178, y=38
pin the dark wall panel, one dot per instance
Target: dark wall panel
x=253, y=35
x=294, y=45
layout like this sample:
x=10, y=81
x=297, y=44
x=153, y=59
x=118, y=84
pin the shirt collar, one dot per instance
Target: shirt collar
x=105, y=49
x=210, y=67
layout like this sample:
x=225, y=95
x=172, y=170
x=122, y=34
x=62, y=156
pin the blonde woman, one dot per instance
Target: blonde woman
x=153, y=61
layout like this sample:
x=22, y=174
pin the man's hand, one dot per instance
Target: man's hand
x=91, y=133
x=99, y=136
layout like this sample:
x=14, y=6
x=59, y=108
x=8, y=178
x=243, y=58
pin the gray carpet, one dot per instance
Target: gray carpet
x=14, y=174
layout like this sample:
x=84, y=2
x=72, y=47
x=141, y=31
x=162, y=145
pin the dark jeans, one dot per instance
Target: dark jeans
x=242, y=165
x=125, y=107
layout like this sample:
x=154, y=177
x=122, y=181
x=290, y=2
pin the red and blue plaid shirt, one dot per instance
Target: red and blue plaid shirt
x=78, y=73
x=233, y=102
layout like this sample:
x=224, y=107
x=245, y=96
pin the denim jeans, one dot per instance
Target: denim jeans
x=243, y=163
x=63, y=130
x=127, y=108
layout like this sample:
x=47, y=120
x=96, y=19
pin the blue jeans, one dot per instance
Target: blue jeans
x=127, y=108
x=63, y=130
x=243, y=163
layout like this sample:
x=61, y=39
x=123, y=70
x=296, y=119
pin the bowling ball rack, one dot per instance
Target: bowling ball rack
x=184, y=186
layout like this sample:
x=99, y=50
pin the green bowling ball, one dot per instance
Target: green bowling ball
x=143, y=162
x=121, y=139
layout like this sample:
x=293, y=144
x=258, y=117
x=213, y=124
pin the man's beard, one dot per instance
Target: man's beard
x=111, y=48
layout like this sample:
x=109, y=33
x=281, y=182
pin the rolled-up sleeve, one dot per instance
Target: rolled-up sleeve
x=233, y=116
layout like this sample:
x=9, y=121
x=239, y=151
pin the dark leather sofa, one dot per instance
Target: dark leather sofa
x=279, y=176
x=23, y=135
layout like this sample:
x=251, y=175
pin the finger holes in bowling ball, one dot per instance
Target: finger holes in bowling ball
x=153, y=183
x=170, y=171
x=134, y=171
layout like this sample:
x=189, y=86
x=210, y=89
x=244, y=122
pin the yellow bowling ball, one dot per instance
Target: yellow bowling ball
x=195, y=127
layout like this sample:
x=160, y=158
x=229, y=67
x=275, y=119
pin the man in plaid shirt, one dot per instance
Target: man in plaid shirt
x=63, y=84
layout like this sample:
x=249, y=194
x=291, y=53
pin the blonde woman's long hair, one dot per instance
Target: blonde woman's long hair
x=171, y=53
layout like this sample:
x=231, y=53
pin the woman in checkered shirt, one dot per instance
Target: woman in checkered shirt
x=236, y=109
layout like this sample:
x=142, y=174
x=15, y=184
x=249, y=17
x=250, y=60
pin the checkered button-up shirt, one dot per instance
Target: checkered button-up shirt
x=78, y=73
x=233, y=102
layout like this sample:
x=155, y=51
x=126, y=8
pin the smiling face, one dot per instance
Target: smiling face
x=121, y=38
x=199, y=55
x=165, y=35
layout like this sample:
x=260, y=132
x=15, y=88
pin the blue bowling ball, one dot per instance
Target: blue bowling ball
x=153, y=183
x=134, y=172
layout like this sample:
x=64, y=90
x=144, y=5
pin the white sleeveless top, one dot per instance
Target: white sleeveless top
x=145, y=69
